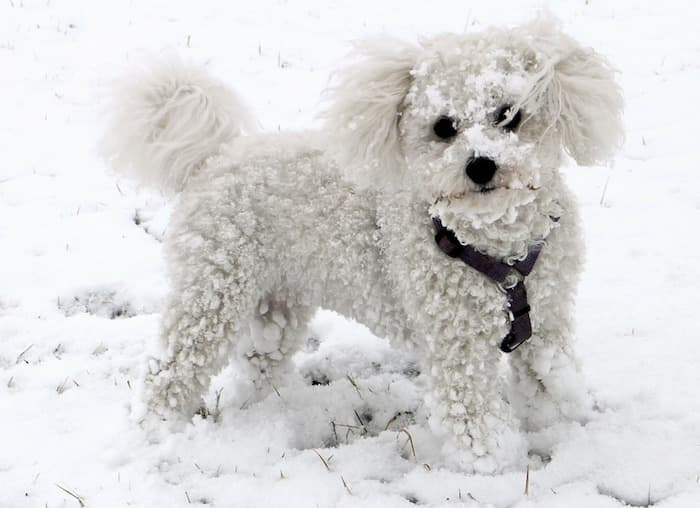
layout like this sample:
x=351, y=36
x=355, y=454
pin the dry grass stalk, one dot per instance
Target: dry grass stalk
x=391, y=420
x=410, y=440
x=62, y=387
x=354, y=384
x=605, y=189
x=77, y=497
x=347, y=426
x=359, y=420
x=325, y=463
x=335, y=433
x=217, y=410
x=276, y=390
x=21, y=355
x=345, y=485
x=459, y=495
x=527, y=480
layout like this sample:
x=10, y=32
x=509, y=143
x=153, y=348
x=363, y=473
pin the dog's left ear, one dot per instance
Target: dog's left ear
x=365, y=107
x=576, y=88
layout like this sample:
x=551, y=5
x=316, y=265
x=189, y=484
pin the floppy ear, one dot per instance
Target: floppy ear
x=365, y=104
x=576, y=88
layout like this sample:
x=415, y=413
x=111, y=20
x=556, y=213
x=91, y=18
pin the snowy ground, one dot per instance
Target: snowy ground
x=82, y=276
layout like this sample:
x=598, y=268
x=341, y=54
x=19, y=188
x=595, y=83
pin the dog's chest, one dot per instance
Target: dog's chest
x=447, y=299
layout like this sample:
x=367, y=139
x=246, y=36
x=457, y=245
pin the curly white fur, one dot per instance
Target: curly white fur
x=168, y=119
x=574, y=86
x=267, y=229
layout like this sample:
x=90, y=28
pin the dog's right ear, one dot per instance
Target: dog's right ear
x=575, y=88
x=364, y=112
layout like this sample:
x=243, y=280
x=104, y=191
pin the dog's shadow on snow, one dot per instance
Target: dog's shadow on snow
x=348, y=386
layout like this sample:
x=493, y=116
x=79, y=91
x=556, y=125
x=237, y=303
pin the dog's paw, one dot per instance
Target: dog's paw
x=500, y=450
x=158, y=425
x=546, y=409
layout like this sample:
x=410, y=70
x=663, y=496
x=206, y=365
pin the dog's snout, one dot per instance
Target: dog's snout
x=480, y=170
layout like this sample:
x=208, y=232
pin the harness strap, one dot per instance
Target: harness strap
x=498, y=271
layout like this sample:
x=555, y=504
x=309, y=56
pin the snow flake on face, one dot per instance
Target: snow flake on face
x=436, y=98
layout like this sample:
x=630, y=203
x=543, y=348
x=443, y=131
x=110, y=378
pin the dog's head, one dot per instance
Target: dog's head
x=473, y=119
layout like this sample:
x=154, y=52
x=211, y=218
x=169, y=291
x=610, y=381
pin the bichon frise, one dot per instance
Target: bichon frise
x=430, y=208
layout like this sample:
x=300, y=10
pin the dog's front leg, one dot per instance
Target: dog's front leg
x=548, y=385
x=467, y=404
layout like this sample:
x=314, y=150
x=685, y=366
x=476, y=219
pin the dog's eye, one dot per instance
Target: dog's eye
x=502, y=115
x=445, y=127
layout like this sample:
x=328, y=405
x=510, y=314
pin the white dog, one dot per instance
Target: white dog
x=419, y=210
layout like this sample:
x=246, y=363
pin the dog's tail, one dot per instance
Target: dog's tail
x=167, y=120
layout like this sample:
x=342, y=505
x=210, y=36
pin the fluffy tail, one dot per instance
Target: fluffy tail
x=168, y=120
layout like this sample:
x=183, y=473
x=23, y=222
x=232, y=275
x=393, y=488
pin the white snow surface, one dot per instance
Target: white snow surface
x=82, y=276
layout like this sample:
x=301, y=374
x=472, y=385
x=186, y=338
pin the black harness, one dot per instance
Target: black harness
x=509, y=277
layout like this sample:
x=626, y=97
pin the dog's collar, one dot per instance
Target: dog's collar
x=509, y=277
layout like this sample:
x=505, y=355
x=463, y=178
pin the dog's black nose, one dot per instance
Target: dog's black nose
x=481, y=170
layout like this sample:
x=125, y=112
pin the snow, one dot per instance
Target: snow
x=81, y=281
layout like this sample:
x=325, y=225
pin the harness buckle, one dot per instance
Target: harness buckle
x=520, y=331
x=511, y=281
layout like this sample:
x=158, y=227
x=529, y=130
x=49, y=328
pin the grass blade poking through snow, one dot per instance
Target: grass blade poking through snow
x=79, y=498
x=410, y=440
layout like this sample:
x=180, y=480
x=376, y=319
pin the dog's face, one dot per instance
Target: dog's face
x=475, y=122
x=466, y=138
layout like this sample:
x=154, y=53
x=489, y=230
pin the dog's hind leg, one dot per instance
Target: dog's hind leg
x=258, y=339
x=218, y=311
x=216, y=281
x=206, y=313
